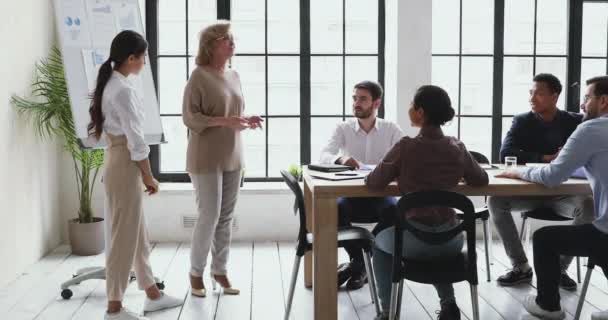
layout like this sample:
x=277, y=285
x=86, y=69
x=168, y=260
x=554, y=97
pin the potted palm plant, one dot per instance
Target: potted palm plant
x=51, y=115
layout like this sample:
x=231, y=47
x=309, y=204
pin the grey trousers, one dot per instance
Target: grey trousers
x=578, y=207
x=216, y=195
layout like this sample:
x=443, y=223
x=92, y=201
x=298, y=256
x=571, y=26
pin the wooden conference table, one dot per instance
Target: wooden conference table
x=320, y=196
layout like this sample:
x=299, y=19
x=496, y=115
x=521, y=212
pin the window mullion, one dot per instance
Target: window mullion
x=152, y=38
x=381, y=49
x=534, y=39
x=266, y=82
x=223, y=9
x=575, y=42
x=343, y=60
x=498, y=79
x=305, y=121
x=459, y=68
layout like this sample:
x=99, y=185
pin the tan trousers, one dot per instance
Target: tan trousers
x=129, y=246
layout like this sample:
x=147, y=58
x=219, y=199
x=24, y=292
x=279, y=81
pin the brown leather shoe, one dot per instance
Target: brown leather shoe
x=198, y=287
x=223, y=281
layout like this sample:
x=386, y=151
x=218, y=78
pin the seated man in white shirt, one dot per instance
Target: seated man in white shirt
x=357, y=142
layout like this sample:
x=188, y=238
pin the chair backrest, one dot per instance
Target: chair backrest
x=480, y=158
x=298, y=206
x=435, y=198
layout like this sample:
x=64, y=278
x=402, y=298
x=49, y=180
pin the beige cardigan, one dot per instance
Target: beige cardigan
x=207, y=94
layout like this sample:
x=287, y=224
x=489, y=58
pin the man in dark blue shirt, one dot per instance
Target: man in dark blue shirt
x=537, y=137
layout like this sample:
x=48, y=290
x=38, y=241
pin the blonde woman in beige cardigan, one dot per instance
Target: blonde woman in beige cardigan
x=213, y=111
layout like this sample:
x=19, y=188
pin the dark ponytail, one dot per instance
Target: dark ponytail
x=125, y=44
x=96, y=126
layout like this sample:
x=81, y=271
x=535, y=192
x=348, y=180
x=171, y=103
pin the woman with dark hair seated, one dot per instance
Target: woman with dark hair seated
x=428, y=161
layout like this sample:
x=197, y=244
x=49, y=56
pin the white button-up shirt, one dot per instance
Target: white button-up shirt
x=124, y=114
x=350, y=140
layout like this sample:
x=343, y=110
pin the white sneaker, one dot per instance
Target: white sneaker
x=602, y=315
x=534, y=309
x=164, y=302
x=124, y=314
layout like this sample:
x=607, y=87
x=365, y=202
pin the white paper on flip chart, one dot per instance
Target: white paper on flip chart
x=138, y=83
x=74, y=24
x=103, y=22
x=127, y=17
x=92, y=60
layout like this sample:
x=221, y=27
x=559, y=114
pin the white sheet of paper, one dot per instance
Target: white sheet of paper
x=369, y=167
x=75, y=24
x=103, y=23
x=92, y=60
x=128, y=17
x=337, y=176
x=535, y=165
x=138, y=83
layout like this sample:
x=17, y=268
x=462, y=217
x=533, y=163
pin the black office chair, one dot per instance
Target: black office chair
x=480, y=158
x=361, y=236
x=591, y=262
x=544, y=214
x=462, y=267
x=484, y=216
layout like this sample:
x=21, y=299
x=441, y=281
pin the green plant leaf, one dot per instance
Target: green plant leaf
x=295, y=170
x=49, y=111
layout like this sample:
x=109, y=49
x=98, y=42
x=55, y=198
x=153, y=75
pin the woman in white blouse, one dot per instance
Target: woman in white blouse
x=117, y=110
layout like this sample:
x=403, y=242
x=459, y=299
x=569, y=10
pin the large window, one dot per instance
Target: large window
x=344, y=50
x=488, y=81
x=298, y=62
x=462, y=64
x=594, y=53
x=535, y=41
x=178, y=24
x=268, y=59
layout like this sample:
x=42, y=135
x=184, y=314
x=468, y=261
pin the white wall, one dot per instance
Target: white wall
x=260, y=214
x=413, y=55
x=29, y=168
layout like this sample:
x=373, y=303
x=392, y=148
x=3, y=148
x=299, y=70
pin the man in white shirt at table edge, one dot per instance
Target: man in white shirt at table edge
x=356, y=142
x=587, y=147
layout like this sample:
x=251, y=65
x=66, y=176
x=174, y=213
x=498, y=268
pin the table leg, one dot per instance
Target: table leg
x=308, y=204
x=325, y=258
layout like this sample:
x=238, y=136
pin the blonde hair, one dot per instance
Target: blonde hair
x=207, y=38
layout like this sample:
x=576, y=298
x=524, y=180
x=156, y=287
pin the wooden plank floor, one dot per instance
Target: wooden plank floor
x=264, y=270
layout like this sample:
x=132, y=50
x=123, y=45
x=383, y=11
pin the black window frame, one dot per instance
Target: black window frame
x=223, y=12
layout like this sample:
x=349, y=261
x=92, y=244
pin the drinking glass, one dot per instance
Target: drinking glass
x=510, y=163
